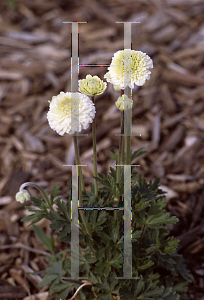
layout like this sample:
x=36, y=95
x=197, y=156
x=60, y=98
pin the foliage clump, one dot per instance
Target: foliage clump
x=159, y=271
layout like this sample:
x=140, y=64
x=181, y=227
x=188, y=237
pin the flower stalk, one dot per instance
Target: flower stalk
x=124, y=104
x=123, y=149
x=92, y=86
x=81, y=182
x=39, y=188
x=127, y=137
x=94, y=151
x=118, y=167
x=81, y=185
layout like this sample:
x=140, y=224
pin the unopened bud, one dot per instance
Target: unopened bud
x=22, y=196
x=124, y=103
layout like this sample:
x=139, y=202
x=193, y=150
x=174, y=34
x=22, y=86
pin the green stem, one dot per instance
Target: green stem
x=127, y=138
x=123, y=137
x=121, y=155
x=118, y=168
x=143, y=229
x=40, y=189
x=81, y=186
x=95, y=153
x=78, y=163
x=123, y=151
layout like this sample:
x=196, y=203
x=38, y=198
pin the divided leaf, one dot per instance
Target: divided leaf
x=48, y=243
x=54, y=193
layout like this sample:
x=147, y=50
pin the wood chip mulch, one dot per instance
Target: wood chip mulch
x=168, y=112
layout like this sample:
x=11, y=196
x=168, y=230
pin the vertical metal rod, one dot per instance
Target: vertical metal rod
x=74, y=73
x=127, y=223
x=75, y=119
x=74, y=229
x=127, y=167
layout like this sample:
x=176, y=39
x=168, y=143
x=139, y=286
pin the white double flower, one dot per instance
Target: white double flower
x=123, y=72
x=60, y=111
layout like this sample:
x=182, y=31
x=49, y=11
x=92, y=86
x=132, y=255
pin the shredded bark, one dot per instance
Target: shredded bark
x=168, y=112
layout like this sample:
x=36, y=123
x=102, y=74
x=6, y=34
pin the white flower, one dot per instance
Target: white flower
x=92, y=86
x=137, y=69
x=59, y=114
x=124, y=103
x=22, y=196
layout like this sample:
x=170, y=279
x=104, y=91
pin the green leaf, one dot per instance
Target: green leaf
x=151, y=249
x=113, y=156
x=99, y=253
x=58, y=199
x=61, y=220
x=43, y=238
x=63, y=295
x=54, y=193
x=93, y=216
x=100, y=267
x=136, y=235
x=160, y=218
x=171, y=244
x=157, y=216
x=105, y=296
x=103, y=181
x=114, y=229
x=39, y=203
x=63, y=207
x=137, y=153
x=125, y=294
x=104, y=236
x=108, y=286
x=101, y=218
x=147, y=265
x=142, y=204
x=32, y=209
x=152, y=294
x=138, y=286
x=52, y=241
x=28, y=218
x=117, y=261
x=155, y=184
x=63, y=285
x=47, y=280
x=90, y=260
x=38, y=216
x=181, y=287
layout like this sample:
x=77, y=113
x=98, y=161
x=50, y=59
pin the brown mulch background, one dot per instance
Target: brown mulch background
x=35, y=61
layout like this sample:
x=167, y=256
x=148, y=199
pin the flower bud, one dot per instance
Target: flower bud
x=22, y=196
x=124, y=103
x=116, y=88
